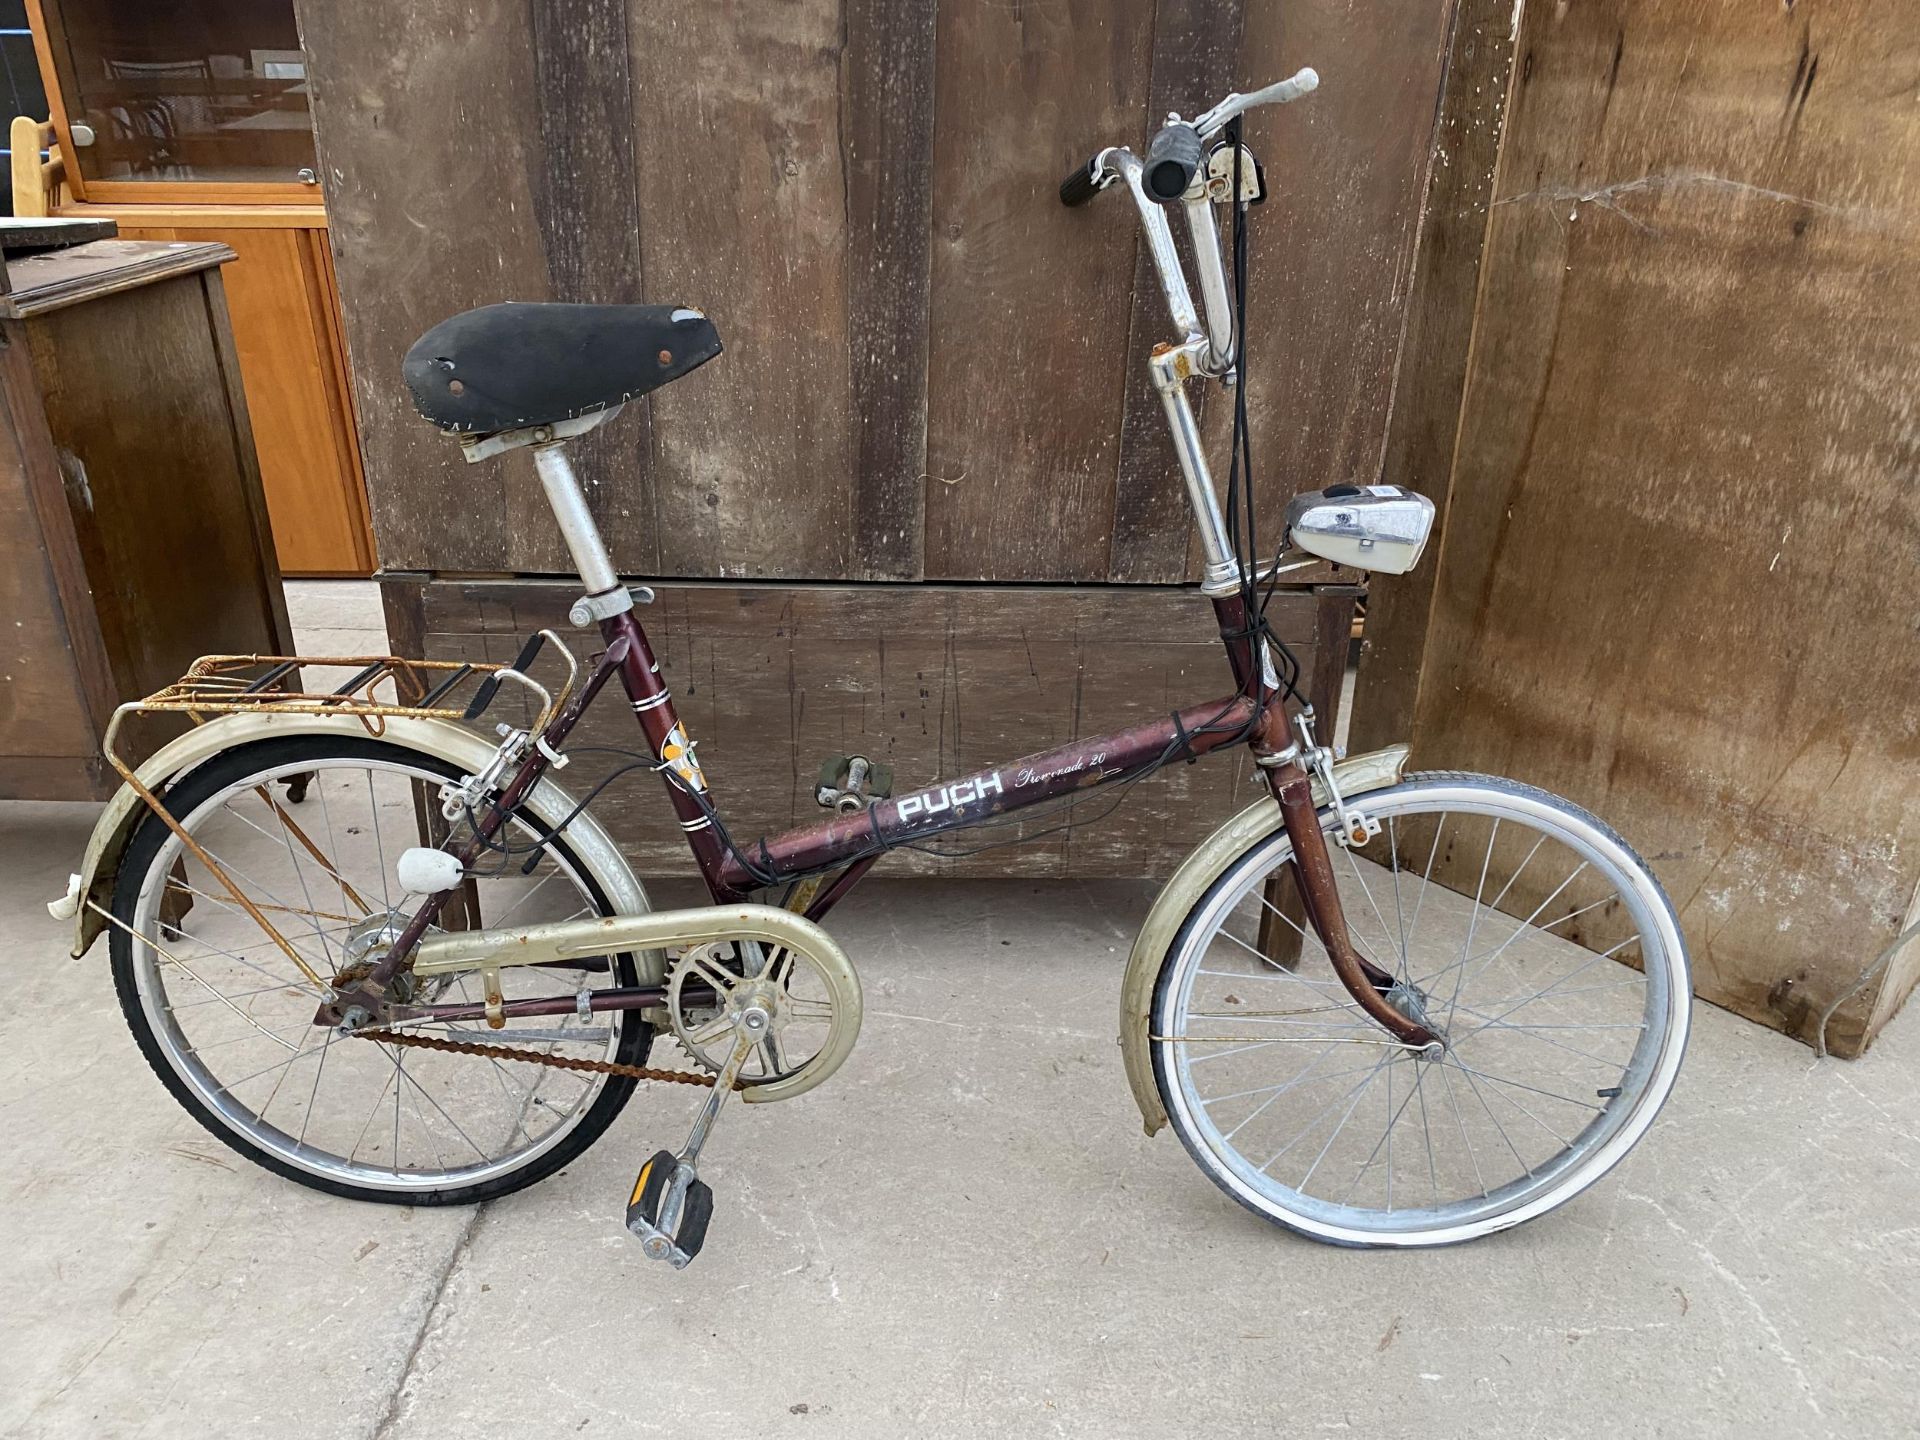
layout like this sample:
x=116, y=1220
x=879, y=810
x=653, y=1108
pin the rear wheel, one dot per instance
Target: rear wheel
x=1515, y=925
x=226, y=1017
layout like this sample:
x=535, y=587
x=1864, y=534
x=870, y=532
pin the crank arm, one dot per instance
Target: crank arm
x=746, y=1038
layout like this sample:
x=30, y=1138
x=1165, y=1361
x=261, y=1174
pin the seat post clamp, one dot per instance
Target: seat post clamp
x=591, y=609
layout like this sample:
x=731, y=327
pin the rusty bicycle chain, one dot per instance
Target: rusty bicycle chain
x=558, y=1062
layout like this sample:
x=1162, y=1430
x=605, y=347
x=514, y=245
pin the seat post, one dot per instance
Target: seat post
x=605, y=594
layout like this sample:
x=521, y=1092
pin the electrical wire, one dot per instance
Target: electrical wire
x=1240, y=486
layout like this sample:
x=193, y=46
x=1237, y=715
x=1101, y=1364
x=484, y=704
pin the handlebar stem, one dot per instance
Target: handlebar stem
x=1170, y=366
x=1166, y=259
x=1205, y=233
x=1209, y=350
x=1121, y=163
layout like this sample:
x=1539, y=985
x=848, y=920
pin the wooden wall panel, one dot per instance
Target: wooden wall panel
x=888, y=79
x=743, y=190
x=931, y=366
x=1424, y=424
x=587, y=209
x=436, y=169
x=933, y=680
x=1029, y=310
x=1678, y=575
x=1333, y=246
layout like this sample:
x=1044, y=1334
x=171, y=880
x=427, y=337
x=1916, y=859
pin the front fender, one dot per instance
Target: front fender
x=1374, y=771
x=442, y=739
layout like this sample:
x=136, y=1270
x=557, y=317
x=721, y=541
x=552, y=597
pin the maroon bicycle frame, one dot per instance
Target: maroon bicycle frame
x=1254, y=714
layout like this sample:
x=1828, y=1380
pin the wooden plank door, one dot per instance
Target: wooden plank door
x=932, y=368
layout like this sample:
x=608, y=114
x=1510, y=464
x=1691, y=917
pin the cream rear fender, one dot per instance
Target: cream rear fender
x=1356, y=776
x=425, y=735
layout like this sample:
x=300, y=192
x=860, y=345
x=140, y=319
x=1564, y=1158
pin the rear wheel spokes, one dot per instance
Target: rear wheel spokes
x=236, y=1018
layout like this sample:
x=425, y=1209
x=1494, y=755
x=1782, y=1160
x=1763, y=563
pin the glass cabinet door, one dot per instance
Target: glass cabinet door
x=182, y=91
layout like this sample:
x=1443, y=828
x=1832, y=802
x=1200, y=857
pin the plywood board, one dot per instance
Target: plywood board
x=1678, y=575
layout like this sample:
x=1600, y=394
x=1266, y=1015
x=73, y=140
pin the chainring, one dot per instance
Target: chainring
x=707, y=986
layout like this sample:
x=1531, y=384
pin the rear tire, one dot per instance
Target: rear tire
x=154, y=996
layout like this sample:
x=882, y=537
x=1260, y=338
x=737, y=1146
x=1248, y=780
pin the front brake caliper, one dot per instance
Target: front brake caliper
x=1354, y=827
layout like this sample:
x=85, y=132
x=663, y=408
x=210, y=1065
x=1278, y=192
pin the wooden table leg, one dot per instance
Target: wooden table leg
x=1282, y=919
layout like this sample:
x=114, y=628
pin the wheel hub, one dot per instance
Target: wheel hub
x=365, y=944
x=1413, y=1002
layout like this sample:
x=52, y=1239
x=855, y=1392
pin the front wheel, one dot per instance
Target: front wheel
x=1515, y=925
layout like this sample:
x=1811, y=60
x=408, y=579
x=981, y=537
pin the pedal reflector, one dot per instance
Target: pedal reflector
x=650, y=1185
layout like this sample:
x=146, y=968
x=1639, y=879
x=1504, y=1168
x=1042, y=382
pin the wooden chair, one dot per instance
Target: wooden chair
x=39, y=186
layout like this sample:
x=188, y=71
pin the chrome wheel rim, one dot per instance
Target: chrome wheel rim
x=232, y=1015
x=1278, y=1140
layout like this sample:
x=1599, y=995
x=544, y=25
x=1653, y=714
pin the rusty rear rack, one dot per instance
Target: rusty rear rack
x=253, y=684
x=376, y=688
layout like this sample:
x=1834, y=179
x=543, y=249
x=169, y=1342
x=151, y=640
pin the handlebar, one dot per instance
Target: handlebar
x=1083, y=183
x=1173, y=157
x=1166, y=177
x=1302, y=82
x=1174, y=154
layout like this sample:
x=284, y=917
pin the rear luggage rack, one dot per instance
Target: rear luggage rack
x=276, y=685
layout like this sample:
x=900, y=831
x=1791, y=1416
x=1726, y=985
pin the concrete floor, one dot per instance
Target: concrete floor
x=964, y=1233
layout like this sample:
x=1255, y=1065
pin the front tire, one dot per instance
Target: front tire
x=1487, y=900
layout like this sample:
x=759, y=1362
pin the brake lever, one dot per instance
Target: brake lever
x=1303, y=82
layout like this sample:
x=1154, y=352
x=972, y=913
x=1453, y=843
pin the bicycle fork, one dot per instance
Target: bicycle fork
x=1291, y=780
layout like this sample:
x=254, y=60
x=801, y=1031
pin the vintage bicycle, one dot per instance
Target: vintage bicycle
x=385, y=955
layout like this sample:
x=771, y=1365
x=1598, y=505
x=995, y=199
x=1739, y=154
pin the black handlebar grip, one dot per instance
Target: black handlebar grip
x=1173, y=157
x=1079, y=187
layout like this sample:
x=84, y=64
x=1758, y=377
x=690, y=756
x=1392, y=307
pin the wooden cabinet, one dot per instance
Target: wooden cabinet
x=133, y=533
x=190, y=122
x=280, y=289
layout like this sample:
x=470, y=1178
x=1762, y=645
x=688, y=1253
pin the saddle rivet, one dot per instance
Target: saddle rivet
x=666, y=357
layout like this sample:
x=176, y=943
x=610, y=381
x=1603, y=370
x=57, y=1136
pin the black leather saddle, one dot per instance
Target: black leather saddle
x=506, y=367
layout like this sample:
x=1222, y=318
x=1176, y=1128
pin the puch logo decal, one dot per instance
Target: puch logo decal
x=677, y=753
x=946, y=797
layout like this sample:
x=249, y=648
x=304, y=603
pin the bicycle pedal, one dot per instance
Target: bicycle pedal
x=669, y=1210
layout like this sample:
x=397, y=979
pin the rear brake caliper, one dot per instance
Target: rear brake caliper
x=471, y=792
